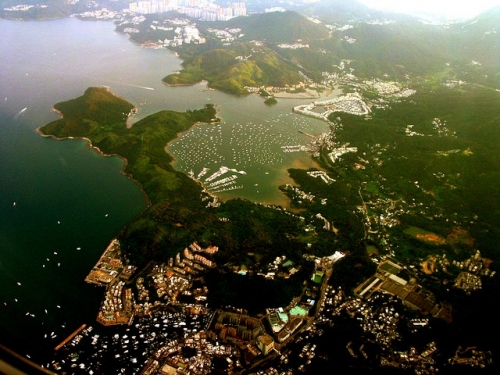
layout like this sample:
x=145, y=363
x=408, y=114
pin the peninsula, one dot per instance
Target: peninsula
x=187, y=260
x=391, y=240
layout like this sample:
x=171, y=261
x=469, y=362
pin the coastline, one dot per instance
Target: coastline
x=308, y=94
x=179, y=134
x=125, y=161
x=202, y=82
x=100, y=152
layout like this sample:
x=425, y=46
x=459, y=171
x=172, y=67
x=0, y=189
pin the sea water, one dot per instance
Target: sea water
x=61, y=203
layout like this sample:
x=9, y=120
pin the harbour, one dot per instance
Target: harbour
x=263, y=149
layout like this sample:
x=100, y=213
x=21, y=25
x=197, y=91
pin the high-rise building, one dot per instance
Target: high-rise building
x=201, y=9
x=265, y=343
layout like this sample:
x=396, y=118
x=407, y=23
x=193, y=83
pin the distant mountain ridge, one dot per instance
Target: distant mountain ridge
x=478, y=41
x=399, y=50
x=345, y=10
x=328, y=10
x=328, y=32
x=279, y=27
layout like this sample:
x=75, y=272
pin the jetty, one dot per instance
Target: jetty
x=70, y=337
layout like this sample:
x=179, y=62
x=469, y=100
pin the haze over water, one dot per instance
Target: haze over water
x=69, y=200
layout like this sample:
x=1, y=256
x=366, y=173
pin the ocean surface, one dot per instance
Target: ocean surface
x=61, y=202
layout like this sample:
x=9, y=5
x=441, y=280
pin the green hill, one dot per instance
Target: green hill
x=231, y=68
x=468, y=51
x=101, y=117
x=278, y=27
x=478, y=39
x=397, y=49
x=94, y=112
x=343, y=11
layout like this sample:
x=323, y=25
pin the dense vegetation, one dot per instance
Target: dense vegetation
x=247, y=234
x=173, y=217
x=451, y=172
x=277, y=27
x=402, y=50
x=231, y=68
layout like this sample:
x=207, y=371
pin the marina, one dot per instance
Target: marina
x=263, y=146
x=98, y=349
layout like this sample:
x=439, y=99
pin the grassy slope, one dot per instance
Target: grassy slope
x=224, y=71
x=261, y=67
x=278, y=27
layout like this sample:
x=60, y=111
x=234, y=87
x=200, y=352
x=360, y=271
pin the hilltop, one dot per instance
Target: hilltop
x=232, y=68
x=478, y=41
x=276, y=27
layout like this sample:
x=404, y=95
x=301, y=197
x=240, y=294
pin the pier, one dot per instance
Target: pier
x=70, y=337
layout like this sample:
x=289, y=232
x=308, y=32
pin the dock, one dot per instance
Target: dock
x=70, y=337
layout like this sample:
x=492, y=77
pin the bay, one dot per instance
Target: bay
x=61, y=203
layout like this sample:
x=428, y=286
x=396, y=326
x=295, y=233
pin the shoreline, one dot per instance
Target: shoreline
x=90, y=145
x=100, y=152
x=308, y=94
x=179, y=134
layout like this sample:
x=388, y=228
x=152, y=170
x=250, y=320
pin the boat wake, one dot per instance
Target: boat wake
x=134, y=85
x=20, y=113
